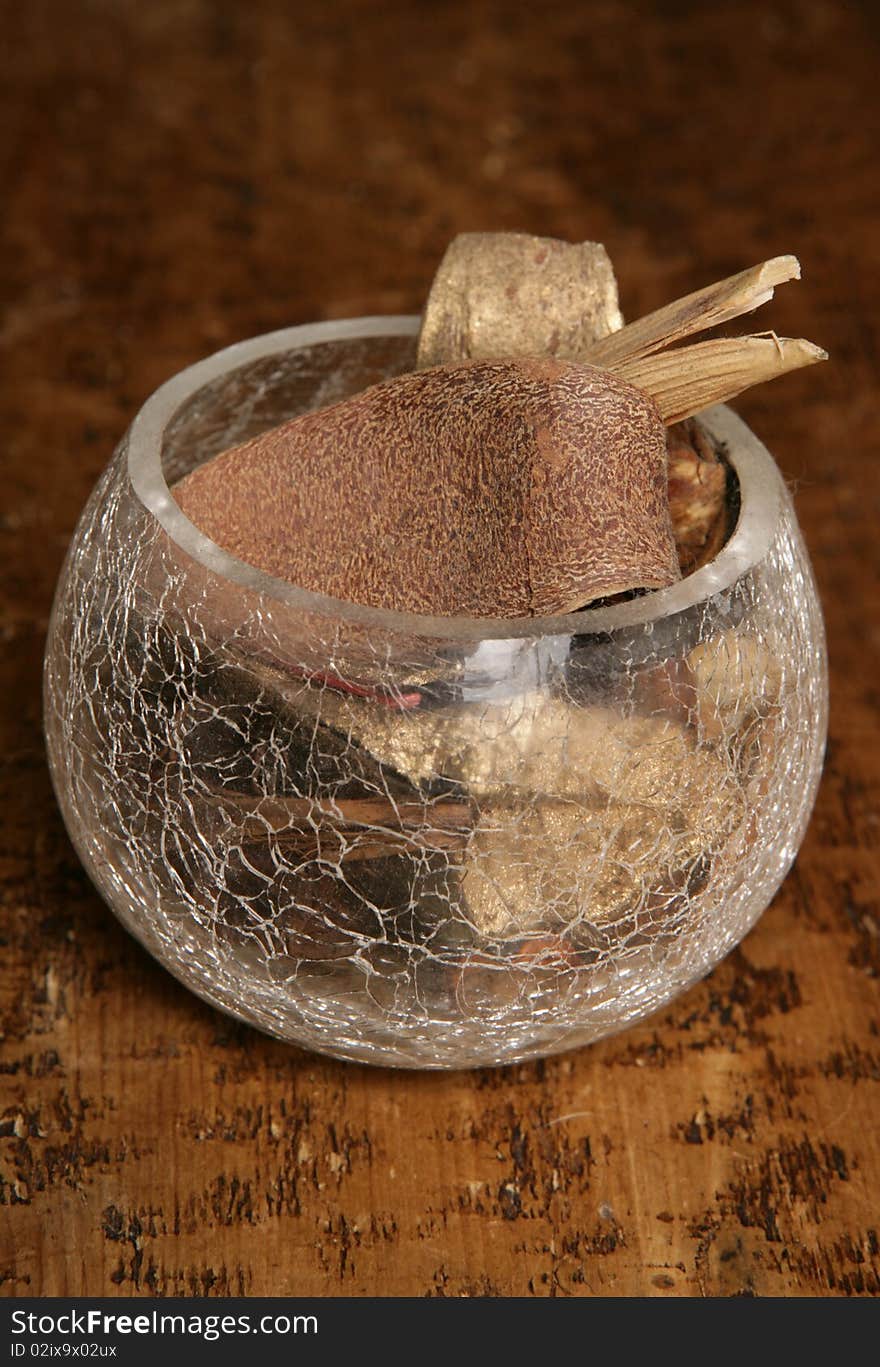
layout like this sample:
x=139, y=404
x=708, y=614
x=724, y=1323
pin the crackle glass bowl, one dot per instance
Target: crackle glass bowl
x=413, y=841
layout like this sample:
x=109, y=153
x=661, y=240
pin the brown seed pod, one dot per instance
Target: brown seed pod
x=502, y=488
x=697, y=495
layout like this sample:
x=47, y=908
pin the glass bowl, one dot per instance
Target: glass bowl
x=414, y=841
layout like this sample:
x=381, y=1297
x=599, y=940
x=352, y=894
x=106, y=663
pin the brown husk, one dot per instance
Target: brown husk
x=697, y=483
x=505, y=489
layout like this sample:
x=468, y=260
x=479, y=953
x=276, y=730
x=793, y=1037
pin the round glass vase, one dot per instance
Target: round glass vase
x=412, y=841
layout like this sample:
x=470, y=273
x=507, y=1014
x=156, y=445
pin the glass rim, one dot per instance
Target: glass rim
x=760, y=489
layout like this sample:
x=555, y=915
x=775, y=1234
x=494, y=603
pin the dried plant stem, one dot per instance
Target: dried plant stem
x=349, y=828
x=342, y=847
x=688, y=379
x=697, y=484
x=697, y=312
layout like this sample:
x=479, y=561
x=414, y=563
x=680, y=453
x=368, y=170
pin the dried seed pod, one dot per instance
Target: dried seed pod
x=498, y=295
x=505, y=488
x=697, y=481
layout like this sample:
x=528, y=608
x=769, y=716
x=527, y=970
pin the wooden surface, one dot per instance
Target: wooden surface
x=180, y=174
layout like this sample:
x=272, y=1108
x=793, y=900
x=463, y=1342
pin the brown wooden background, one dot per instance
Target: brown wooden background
x=180, y=174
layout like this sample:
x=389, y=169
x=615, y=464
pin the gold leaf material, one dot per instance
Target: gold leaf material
x=552, y=865
x=498, y=295
x=735, y=677
x=582, y=814
x=543, y=747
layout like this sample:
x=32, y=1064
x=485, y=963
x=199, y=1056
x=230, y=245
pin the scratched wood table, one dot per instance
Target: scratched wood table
x=178, y=176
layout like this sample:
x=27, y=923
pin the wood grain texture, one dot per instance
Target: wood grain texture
x=182, y=174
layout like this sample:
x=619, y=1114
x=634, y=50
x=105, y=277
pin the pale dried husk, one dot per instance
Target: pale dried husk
x=499, y=295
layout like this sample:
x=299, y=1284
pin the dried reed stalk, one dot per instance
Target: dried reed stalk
x=697, y=312
x=347, y=828
x=688, y=379
x=682, y=380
